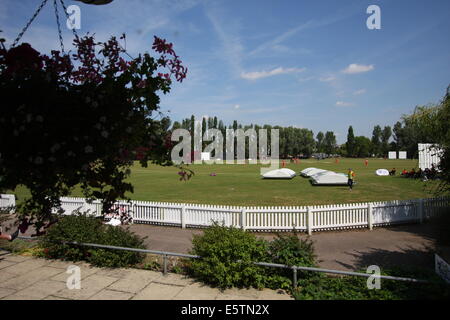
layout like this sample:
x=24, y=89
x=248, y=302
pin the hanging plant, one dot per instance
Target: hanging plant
x=80, y=119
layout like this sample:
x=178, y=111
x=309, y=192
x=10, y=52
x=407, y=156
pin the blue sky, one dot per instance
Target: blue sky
x=311, y=64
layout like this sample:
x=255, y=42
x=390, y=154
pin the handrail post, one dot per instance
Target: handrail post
x=165, y=264
x=421, y=210
x=243, y=219
x=182, y=217
x=309, y=220
x=294, y=277
x=370, y=216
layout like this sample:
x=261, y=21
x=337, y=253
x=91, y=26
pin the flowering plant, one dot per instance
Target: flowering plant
x=81, y=119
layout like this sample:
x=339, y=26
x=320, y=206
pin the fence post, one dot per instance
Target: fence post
x=243, y=218
x=421, y=211
x=309, y=221
x=182, y=217
x=370, y=215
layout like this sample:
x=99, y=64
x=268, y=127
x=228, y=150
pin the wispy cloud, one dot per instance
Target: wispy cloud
x=327, y=79
x=311, y=24
x=231, y=49
x=264, y=74
x=344, y=104
x=358, y=92
x=358, y=68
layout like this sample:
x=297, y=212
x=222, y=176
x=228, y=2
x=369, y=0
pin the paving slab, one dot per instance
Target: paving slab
x=15, y=258
x=175, y=280
x=197, y=291
x=25, y=266
x=85, y=271
x=38, y=290
x=158, y=291
x=135, y=280
x=89, y=287
x=28, y=278
x=6, y=263
x=107, y=294
x=6, y=292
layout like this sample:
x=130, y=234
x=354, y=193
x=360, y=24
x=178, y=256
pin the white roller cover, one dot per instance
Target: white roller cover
x=329, y=178
x=279, y=174
x=308, y=172
x=382, y=172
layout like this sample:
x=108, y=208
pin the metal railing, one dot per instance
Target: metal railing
x=166, y=254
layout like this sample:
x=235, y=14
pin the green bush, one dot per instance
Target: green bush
x=289, y=249
x=83, y=228
x=227, y=256
x=324, y=287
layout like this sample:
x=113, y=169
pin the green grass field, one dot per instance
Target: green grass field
x=242, y=185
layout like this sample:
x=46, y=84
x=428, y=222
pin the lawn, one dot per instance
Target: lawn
x=242, y=185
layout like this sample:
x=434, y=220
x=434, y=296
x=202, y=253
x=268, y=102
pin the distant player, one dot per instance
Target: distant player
x=366, y=162
x=351, y=176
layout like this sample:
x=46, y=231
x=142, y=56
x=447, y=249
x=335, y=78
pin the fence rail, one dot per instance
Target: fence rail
x=266, y=219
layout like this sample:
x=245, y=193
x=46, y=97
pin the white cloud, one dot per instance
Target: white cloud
x=343, y=104
x=236, y=106
x=264, y=74
x=357, y=68
x=328, y=79
x=358, y=92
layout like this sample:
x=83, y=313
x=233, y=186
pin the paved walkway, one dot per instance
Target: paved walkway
x=28, y=278
x=342, y=250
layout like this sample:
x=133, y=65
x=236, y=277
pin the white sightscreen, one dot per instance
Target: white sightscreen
x=402, y=154
x=392, y=155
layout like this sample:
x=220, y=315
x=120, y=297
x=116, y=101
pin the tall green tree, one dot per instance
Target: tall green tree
x=330, y=142
x=350, y=145
x=320, y=137
x=385, y=136
x=376, y=140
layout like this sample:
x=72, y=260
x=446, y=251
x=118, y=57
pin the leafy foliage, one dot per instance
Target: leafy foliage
x=80, y=119
x=289, y=249
x=87, y=229
x=323, y=287
x=227, y=256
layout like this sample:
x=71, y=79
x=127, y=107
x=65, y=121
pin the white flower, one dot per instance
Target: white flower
x=88, y=149
x=52, y=159
x=16, y=133
x=98, y=126
x=128, y=130
x=105, y=134
x=38, y=160
x=29, y=117
x=87, y=100
x=70, y=153
x=95, y=104
x=39, y=118
x=103, y=119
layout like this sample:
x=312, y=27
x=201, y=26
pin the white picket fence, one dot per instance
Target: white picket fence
x=268, y=219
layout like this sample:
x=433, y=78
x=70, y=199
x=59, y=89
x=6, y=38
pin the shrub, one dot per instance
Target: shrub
x=324, y=287
x=289, y=249
x=227, y=255
x=83, y=228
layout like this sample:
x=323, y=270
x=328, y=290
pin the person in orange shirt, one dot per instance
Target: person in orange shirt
x=366, y=162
